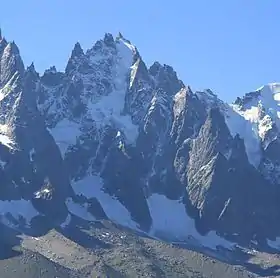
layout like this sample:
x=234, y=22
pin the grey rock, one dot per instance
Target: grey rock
x=184, y=149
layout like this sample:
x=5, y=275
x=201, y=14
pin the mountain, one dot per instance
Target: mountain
x=110, y=138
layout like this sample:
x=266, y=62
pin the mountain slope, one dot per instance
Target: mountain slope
x=110, y=138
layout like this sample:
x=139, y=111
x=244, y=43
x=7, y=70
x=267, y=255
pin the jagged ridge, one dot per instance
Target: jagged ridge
x=137, y=146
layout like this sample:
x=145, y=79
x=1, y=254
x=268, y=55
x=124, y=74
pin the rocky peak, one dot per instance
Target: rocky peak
x=126, y=48
x=128, y=135
x=31, y=68
x=3, y=43
x=261, y=109
x=77, y=51
x=139, y=71
x=10, y=63
x=155, y=68
x=159, y=114
x=166, y=78
x=104, y=46
x=52, y=77
x=266, y=94
x=75, y=58
x=109, y=40
x=247, y=98
x=120, y=38
x=51, y=70
x=210, y=99
x=22, y=98
x=188, y=115
x=30, y=80
x=31, y=71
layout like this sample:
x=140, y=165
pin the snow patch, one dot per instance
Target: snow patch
x=80, y=210
x=179, y=103
x=238, y=123
x=208, y=98
x=31, y=154
x=65, y=134
x=39, y=194
x=17, y=209
x=4, y=138
x=108, y=110
x=247, y=131
x=170, y=219
x=46, y=190
x=133, y=72
x=126, y=50
x=265, y=125
x=274, y=243
x=255, y=118
x=91, y=186
x=9, y=86
x=158, y=100
x=66, y=222
x=2, y=164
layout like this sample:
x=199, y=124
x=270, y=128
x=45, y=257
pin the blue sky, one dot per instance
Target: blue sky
x=230, y=46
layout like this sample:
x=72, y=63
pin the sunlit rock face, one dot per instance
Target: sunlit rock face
x=113, y=138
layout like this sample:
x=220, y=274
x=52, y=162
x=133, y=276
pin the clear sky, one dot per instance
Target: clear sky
x=230, y=46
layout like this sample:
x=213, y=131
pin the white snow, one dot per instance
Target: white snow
x=65, y=134
x=158, y=99
x=91, y=186
x=208, y=97
x=2, y=94
x=179, y=103
x=256, y=119
x=4, y=138
x=80, y=210
x=247, y=131
x=67, y=221
x=126, y=50
x=260, y=125
x=54, y=104
x=253, y=120
x=238, y=123
x=265, y=125
x=2, y=163
x=31, y=154
x=9, y=86
x=274, y=243
x=269, y=102
x=17, y=208
x=133, y=72
x=108, y=109
x=111, y=64
x=38, y=194
x=170, y=219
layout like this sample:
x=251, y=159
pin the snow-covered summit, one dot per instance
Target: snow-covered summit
x=262, y=109
x=255, y=117
x=133, y=140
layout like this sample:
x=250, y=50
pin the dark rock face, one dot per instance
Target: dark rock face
x=227, y=191
x=31, y=160
x=141, y=131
